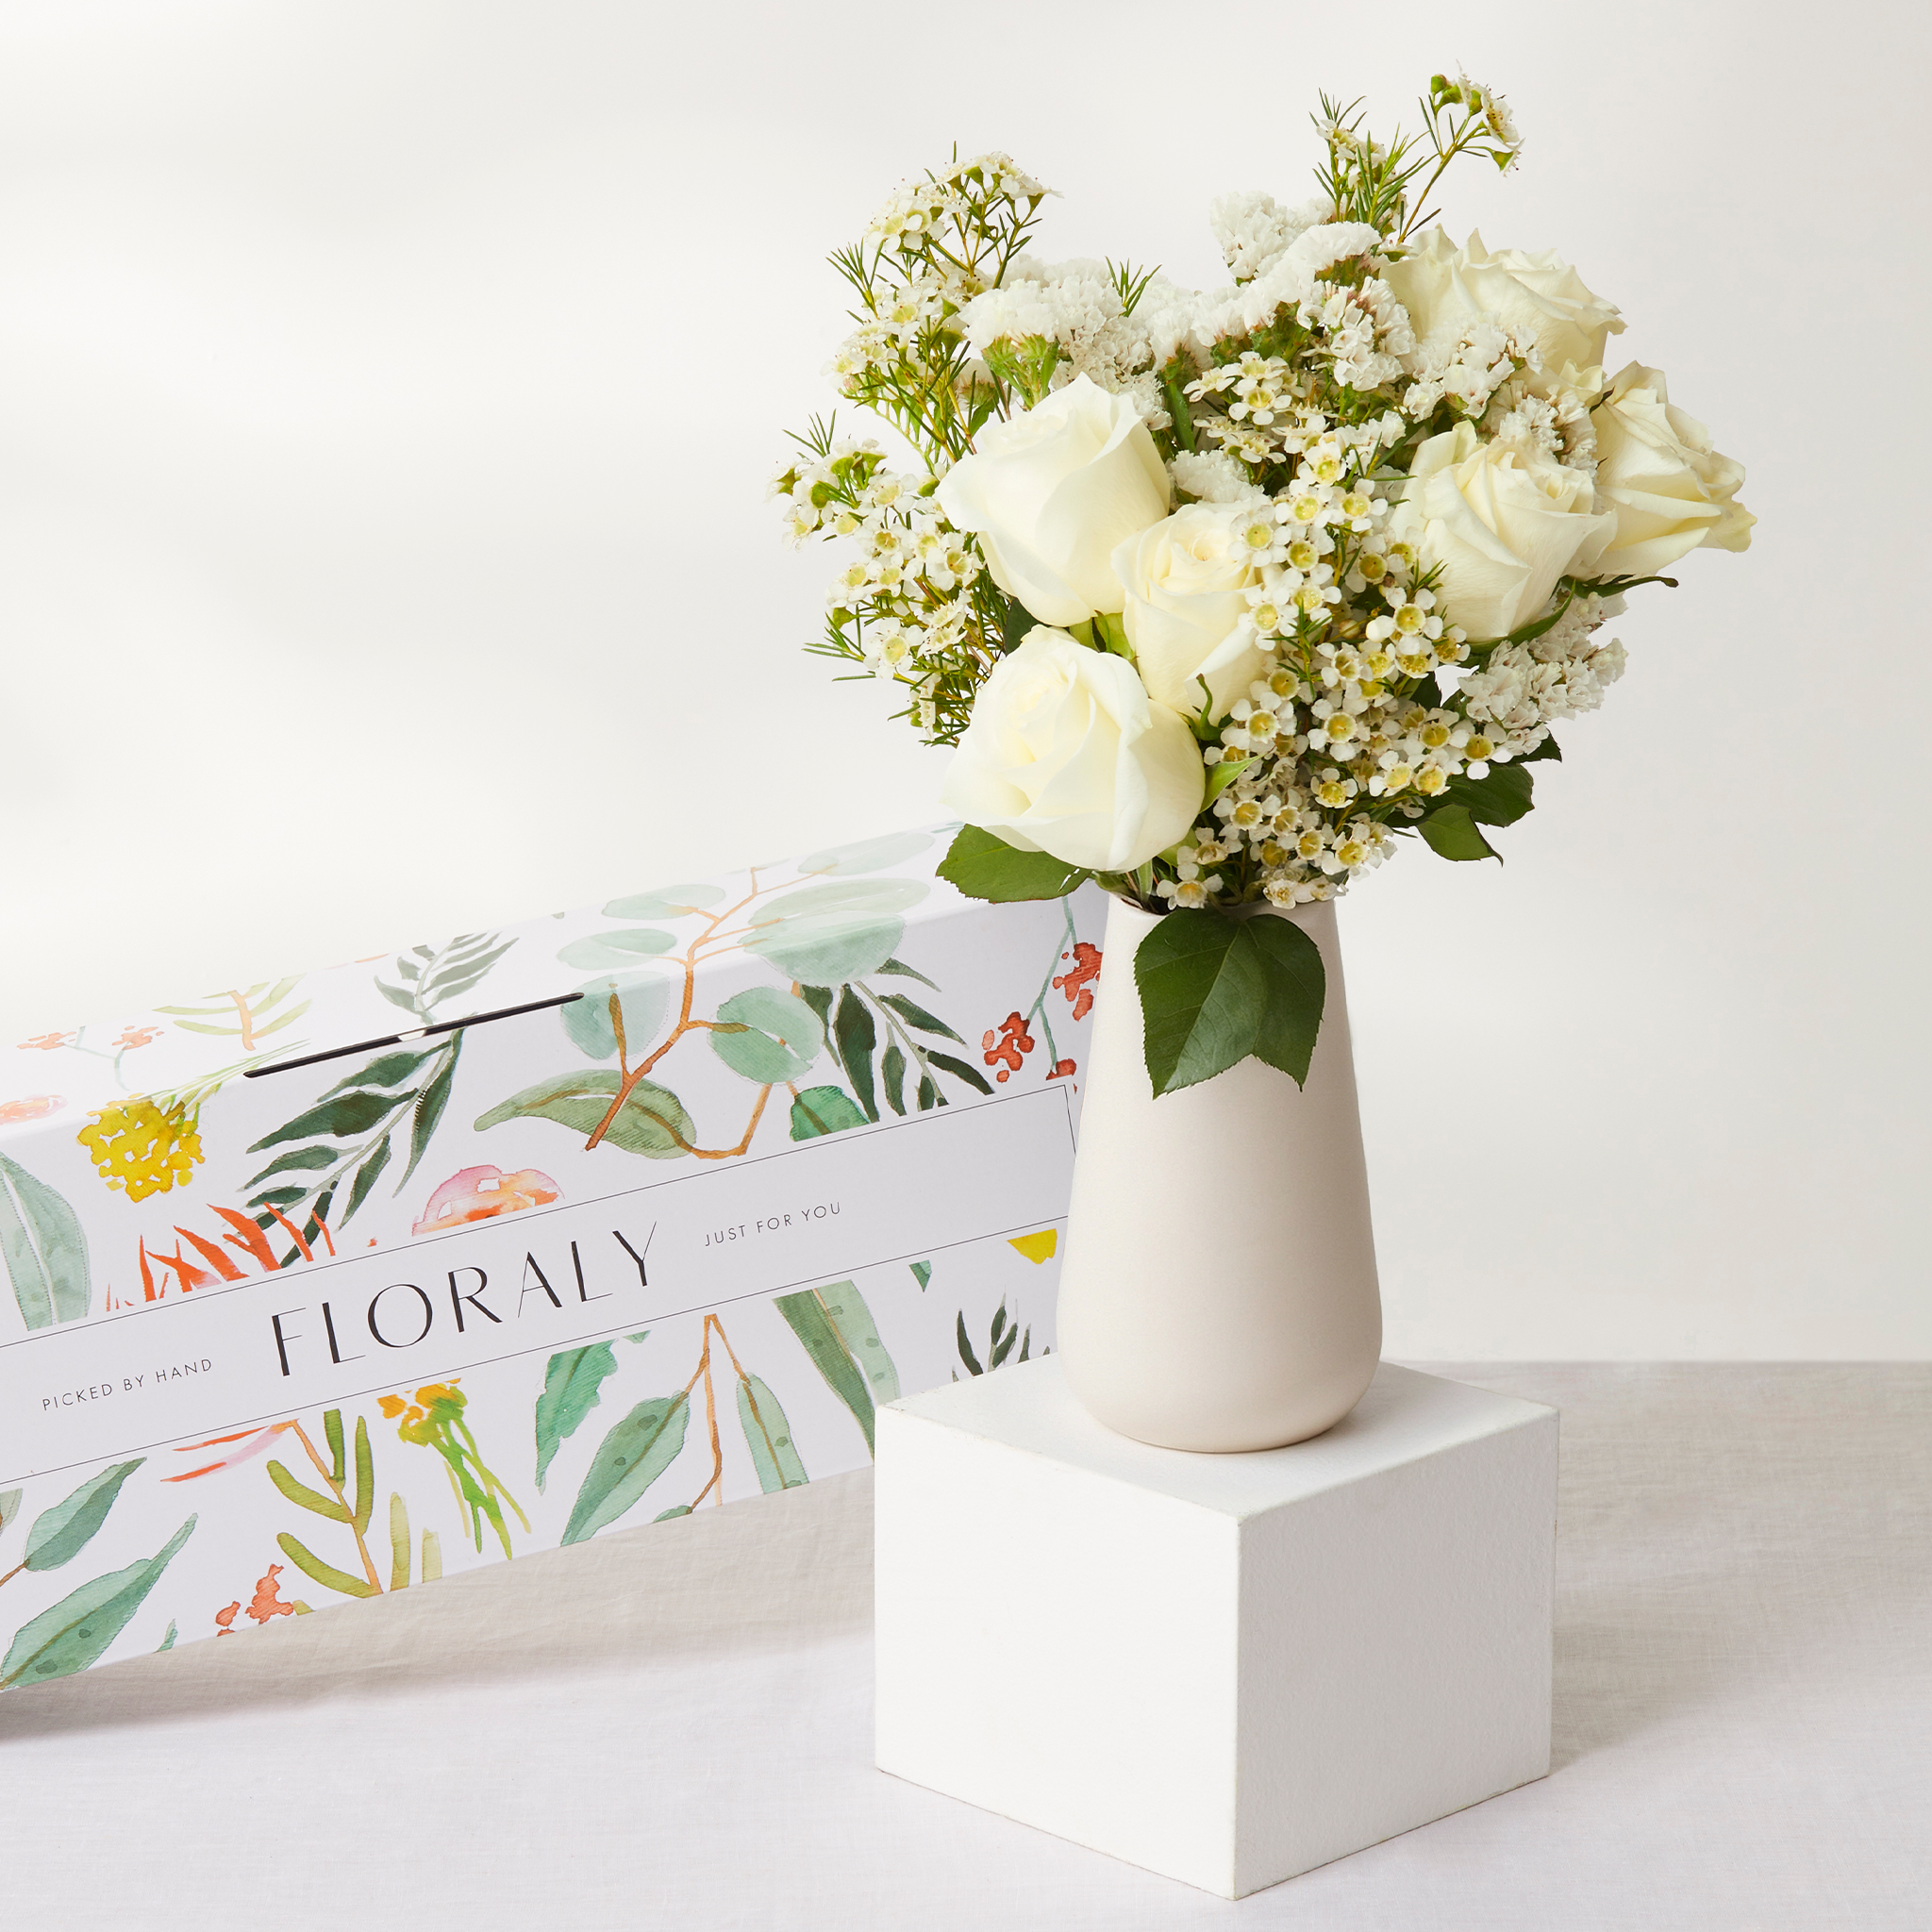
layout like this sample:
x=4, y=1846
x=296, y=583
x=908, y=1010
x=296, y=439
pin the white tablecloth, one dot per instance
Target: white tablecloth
x=671, y=1726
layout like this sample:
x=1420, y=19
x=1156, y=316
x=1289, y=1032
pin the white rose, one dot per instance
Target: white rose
x=1184, y=616
x=1656, y=469
x=1067, y=754
x=1537, y=296
x=1504, y=524
x=1050, y=494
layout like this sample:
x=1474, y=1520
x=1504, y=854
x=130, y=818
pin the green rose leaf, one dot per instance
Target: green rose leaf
x=652, y=1121
x=781, y=1035
x=1215, y=990
x=1505, y=795
x=1451, y=833
x=616, y=949
x=983, y=866
x=641, y=998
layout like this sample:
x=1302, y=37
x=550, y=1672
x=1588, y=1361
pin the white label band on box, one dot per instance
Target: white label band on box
x=532, y=1284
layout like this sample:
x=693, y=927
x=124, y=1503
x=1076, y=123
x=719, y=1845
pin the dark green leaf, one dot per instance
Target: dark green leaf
x=1500, y=799
x=427, y=1112
x=983, y=866
x=75, y=1633
x=966, y=1353
x=1204, y=996
x=824, y=1110
x=571, y=1386
x=855, y=1037
x=652, y=1121
x=311, y=1566
x=386, y=1069
x=921, y=1272
x=819, y=998
x=916, y=1015
x=1451, y=833
x=339, y=1118
x=366, y=1177
x=1549, y=748
x=768, y=1436
x=629, y=1460
x=960, y=1071
x=43, y=1248
x=806, y=1316
x=60, y=1534
x=906, y=972
x=1297, y=987
x=929, y=1094
x=306, y=1498
x=893, y=1072
x=301, y=1159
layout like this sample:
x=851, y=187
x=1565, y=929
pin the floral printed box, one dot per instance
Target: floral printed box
x=323, y=1288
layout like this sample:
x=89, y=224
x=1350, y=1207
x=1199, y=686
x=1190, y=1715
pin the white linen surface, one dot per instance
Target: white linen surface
x=671, y=1726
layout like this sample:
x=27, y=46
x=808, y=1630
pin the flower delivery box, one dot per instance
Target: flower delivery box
x=317, y=1292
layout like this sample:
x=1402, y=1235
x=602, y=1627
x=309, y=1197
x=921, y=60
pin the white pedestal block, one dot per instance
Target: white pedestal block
x=1228, y=1669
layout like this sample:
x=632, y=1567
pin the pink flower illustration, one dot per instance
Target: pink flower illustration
x=479, y=1193
x=37, y=1107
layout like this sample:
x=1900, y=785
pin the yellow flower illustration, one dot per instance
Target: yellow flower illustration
x=139, y=1146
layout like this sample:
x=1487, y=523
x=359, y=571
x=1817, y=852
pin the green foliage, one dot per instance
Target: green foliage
x=311, y=1566
x=1506, y=794
x=768, y=1436
x=629, y=1460
x=652, y=1121
x=766, y=1035
x=839, y=930
x=867, y=855
x=571, y=1383
x=75, y=1633
x=983, y=866
x=428, y=975
x=257, y=1001
x=824, y=1110
x=1215, y=990
x=616, y=950
x=856, y=1038
x=60, y=1534
x=837, y=1331
x=667, y=901
x=45, y=1249
x=642, y=999
x=1000, y=1345
x=1450, y=832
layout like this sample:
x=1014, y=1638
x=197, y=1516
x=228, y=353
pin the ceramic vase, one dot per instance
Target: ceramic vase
x=1219, y=1289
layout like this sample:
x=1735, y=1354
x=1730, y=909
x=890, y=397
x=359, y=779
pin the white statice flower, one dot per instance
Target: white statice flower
x=1212, y=476
x=1255, y=232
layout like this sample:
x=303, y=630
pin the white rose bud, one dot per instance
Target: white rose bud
x=1504, y=524
x=1184, y=613
x=1538, y=297
x=1051, y=493
x=1656, y=469
x=1067, y=754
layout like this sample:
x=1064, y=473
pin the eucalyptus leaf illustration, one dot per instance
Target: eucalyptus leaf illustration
x=859, y=1332
x=825, y=934
x=616, y=950
x=45, y=1249
x=666, y=902
x=867, y=855
x=652, y=1121
x=642, y=999
x=629, y=1460
x=778, y=1038
x=75, y=1633
x=572, y=1382
x=850, y=1375
x=61, y=1533
x=768, y=1436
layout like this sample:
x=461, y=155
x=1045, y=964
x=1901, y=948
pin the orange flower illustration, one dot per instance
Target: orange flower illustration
x=479, y=1193
x=138, y=1036
x=47, y=1042
x=1078, y=981
x=1005, y=1045
x=36, y=1107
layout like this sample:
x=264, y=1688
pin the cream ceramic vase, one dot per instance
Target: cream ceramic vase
x=1219, y=1288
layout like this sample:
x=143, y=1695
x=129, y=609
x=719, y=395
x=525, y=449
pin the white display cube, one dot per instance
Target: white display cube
x=1227, y=1668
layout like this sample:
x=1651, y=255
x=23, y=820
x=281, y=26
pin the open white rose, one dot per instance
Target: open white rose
x=1067, y=754
x=1538, y=297
x=1504, y=524
x=1050, y=494
x=1183, y=615
x=1656, y=469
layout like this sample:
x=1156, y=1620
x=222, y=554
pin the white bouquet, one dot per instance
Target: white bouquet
x=1222, y=594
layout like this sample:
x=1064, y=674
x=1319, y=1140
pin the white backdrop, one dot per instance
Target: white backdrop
x=386, y=396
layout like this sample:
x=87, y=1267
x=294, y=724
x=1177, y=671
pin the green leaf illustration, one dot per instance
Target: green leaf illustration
x=983, y=866
x=365, y=1479
x=312, y=1567
x=1451, y=833
x=868, y=854
x=960, y=1071
x=667, y=901
x=366, y=1177
x=860, y=1335
x=652, y=1121
x=782, y=1035
x=916, y=1015
x=605, y=950
x=921, y=1272
x=1214, y=990
x=855, y=1037
x=306, y=1498
x=398, y=1543
x=641, y=1000
x=973, y=1365
x=628, y=1461
x=809, y=1320
x=570, y=1390
x=826, y=934
x=893, y=1075
x=824, y=1110
x=347, y=1114
x=60, y=1534
x=768, y=1436
x=168, y=1641
x=43, y=1248
x=9, y=1508
x=906, y=972
x=427, y=1114
x=386, y=1069
x=75, y=1633
x=676, y=1510
x=339, y=1455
